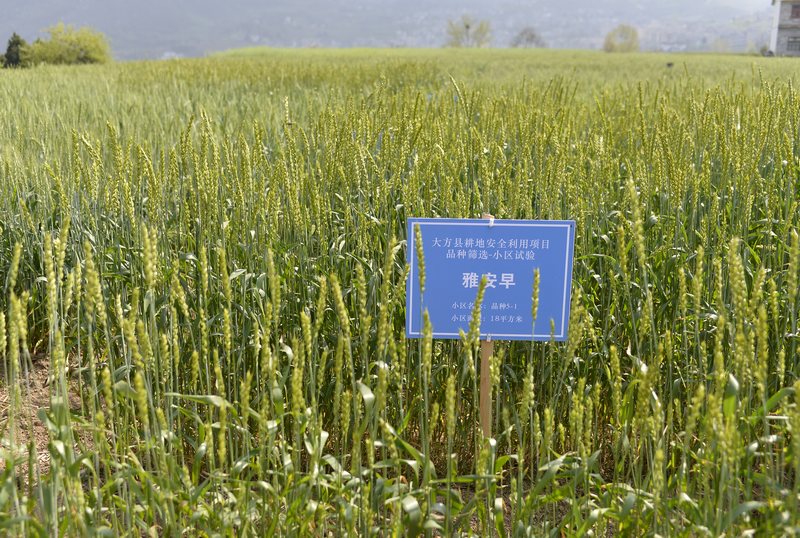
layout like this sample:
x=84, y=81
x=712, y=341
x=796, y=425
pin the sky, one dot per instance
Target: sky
x=745, y=4
x=167, y=28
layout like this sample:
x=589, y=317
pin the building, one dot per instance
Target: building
x=786, y=28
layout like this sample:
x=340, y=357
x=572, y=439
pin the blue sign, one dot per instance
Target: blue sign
x=459, y=252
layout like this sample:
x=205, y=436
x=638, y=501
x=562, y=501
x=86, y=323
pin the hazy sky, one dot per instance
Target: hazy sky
x=163, y=28
x=746, y=4
x=749, y=4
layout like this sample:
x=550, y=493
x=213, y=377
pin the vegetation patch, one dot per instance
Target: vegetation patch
x=209, y=258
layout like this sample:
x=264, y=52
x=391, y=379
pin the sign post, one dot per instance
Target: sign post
x=458, y=253
x=487, y=350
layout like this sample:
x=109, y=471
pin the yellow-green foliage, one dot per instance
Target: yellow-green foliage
x=209, y=255
x=67, y=45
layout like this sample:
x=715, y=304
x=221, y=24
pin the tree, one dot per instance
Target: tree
x=67, y=45
x=468, y=32
x=528, y=37
x=623, y=38
x=14, y=51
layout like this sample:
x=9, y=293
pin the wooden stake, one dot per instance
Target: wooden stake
x=487, y=350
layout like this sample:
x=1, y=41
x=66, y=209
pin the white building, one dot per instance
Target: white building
x=786, y=28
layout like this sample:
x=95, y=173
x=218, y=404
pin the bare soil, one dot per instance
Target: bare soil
x=30, y=431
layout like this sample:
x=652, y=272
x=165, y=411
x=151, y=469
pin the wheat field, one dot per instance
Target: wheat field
x=203, y=268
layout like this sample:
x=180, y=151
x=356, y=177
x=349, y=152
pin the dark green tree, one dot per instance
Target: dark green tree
x=15, y=46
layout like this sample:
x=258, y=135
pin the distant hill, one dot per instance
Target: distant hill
x=163, y=28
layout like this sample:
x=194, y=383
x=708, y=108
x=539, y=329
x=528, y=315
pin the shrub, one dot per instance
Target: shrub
x=467, y=32
x=69, y=46
x=528, y=37
x=623, y=38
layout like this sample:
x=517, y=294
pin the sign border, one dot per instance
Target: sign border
x=500, y=223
